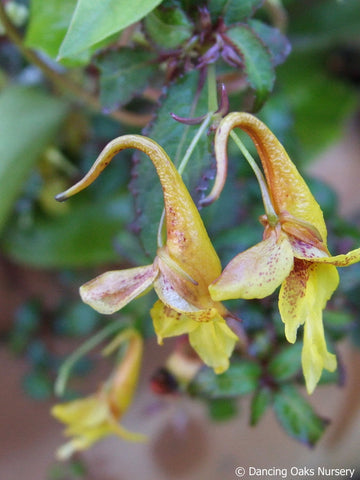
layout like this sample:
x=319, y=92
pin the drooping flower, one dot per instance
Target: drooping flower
x=92, y=418
x=181, y=272
x=293, y=252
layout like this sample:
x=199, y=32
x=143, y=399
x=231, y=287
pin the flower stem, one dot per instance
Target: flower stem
x=71, y=360
x=269, y=209
x=204, y=125
x=212, y=88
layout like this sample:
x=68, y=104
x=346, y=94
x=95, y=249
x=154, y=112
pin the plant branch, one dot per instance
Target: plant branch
x=62, y=81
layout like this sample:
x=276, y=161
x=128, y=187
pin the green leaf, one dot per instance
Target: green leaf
x=174, y=137
x=222, y=409
x=240, y=378
x=77, y=320
x=233, y=11
x=72, y=470
x=38, y=354
x=337, y=321
x=38, y=385
x=257, y=61
x=81, y=237
x=27, y=318
x=297, y=417
x=47, y=27
x=123, y=75
x=48, y=24
x=29, y=120
x=278, y=45
x=27, y=321
x=261, y=400
x=168, y=27
x=95, y=20
x=287, y=363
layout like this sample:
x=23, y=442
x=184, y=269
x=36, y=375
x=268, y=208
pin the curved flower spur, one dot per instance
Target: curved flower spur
x=181, y=272
x=293, y=252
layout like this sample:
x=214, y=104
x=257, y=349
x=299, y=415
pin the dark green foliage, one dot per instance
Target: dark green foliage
x=123, y=75
x=222, y=409
x=256, y=59
x=241, y=378
x=233, y=11
x=297, y=416
x=261, y=400
x=168, y=27
x=287, y=363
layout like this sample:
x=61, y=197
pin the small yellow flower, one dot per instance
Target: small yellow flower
x=182, y=270
x=293, y=252
x=92, y=418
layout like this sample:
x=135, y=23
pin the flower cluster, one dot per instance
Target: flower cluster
x=190, y=284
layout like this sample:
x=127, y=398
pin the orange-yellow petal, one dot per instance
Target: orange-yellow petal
x=88, y=421
x=315, y=356
x=302, y=298
x=81, y=413
x=343, y=260
x=214, y=342
x=257, y=272
x=112, y=290
x=169, y=323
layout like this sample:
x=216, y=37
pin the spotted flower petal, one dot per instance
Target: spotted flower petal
x=306, y=251
x=213, y=340
x=257, y=272
x=302, y=298
x=112, y=290
x=169, y=323
x=343, y=260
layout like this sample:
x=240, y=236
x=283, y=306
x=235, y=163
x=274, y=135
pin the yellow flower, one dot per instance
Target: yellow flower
x=181, y=272
x=293, y=252
x=92, y=418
